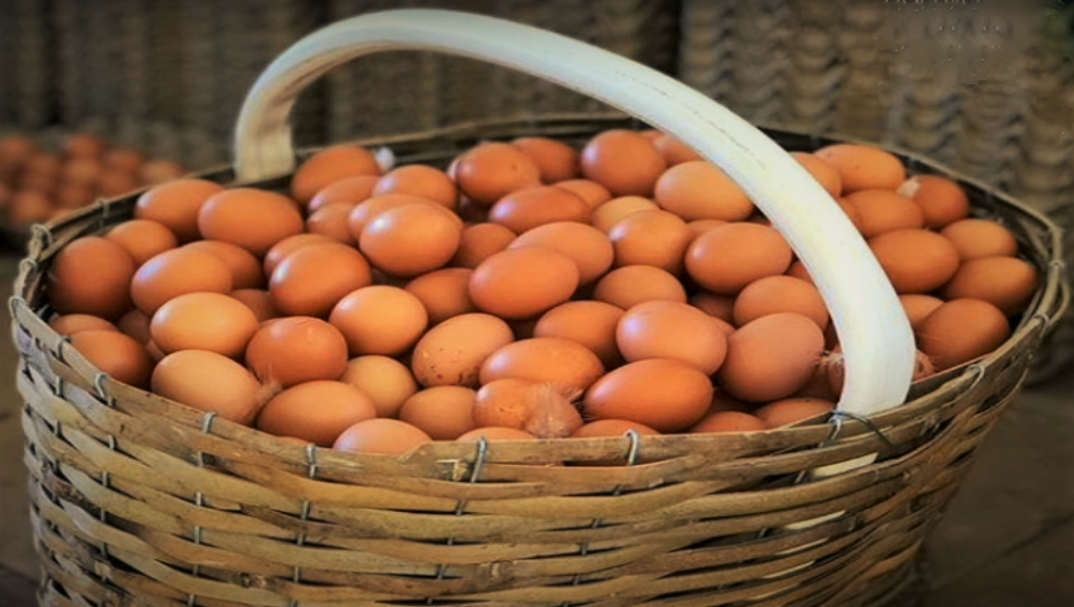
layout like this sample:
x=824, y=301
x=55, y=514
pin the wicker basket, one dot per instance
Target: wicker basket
x=137, y=500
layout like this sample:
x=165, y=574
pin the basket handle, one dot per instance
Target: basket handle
x=877, y=342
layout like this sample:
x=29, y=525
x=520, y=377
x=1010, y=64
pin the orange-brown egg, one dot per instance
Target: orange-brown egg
x=311, y=280
x=880, y=211
x=824, y=173
x=203, y=321
x=142, y=238
x=521, y=283
x=74, y=196
x=444, y=293
x=563, y=363
x=492, y=170
x=316, y=411
x=349, y=191
x=631, y=285
x=555, y=160
x=612, y=427
x=84, y=145
x=113, y=182
x=728, y=421
x=623, y=161
x=419, y=180
x=588, y=247
x=176, y=204
x=961, y=330
x=382, y=436
x=332, y=221
x=329, y=166
x=452, y=352
x=121, y=159
x=442, y=412
x=259, y=301
x=289, y=245
x=976, y=238
x=719, y=306
x=674, y=151
x=369, y=208
x=479, y=241
x=82, y=171
x=155, y=172
x=411, y=239
x=794, y=410
x=684, y=394
x=799, y=271
x=246, y=270
x=15, y=150
x=915, y=261
x=918, y=306
x=772, y=357
x=700, y=226
x=1005, y=282
x=615, y=210
x=726, y=259
x=700, y=190
x=91, y=275
x=115, y=354
x=386, y=381
x=135, y=325
x=495, y=433
x=672, y=330
x=863, y=167
x=69, y=324
x=379, y=319
x=941, y=199
x=526, y=209
x=177, y=272
x=210, y=382
x=590, y=323
x=774, y=294
x=252, y=219
x=591, y=192
x=289, y=351
x=651, y=238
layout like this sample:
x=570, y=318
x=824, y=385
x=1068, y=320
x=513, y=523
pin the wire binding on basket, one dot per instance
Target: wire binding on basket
x=304, y=514
x=199, y=501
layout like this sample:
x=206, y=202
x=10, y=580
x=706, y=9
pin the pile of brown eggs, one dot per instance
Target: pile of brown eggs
x=530, y=290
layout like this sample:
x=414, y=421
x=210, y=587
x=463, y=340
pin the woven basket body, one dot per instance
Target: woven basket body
x=137, y=500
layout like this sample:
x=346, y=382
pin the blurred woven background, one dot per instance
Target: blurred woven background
x=985, y=86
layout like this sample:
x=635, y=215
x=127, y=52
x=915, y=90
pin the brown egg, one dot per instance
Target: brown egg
x=479, y=241
x=863, y=167
x=672, y=330
x=442, y=412
x=386, y=381
x=700, y=190
x=526, y=209
x=771, y=357
x=615, y=210
x=674, y=151
x=349, y=191
x=301, y=286
x=540, y=409
x=623, y=161
x=684, y=394
x=383, y=436
x=976, y=238
x=565, y=364
x=316, y=411
x=726, y=259
x=918, y=307
x=794, y=410
x=43, y=164
x=158, y=171
x=799, y=271
x=84, y=145
x=246, y=272
x=774, y=294
x=700, y=226
x=74, y=196
x=915, y=261
x=881, y=211
x=332, y=221
x=590, y=323
x=495, y=434
x=91, y=275
x=82, y=171
x=411, y=239
x=177, y=272
x=114, y=182
x=961, y=330
x=371, y=207
x=591, y=192
x=718, y=306
x=521, y=283
x=259, y=302
x=39, y=183
x=941, y=199
x=203, y=321
x=555, y=160
x=728, y=421
x=16, y=150
x=1005, y=282
x=380, y=319
x=444, y=293
x=115, y=354
x=651, y=238
x=328, y=166
x=176, y=204
x=126, y=160
x=290, y=351
x=824, y=173
x=210, y=382
x=142, y=238
x=589, y=248
x=631, y=285
x=452, y=352
x=492, y=170
x=612, y=427
x=252, y=219
x=289, y=245
x=69, y=324
x=419, y=180
x=135, y=325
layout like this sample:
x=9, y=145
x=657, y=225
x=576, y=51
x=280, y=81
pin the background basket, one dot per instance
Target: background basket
x=136, y=498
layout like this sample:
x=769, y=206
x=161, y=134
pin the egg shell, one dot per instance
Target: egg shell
x=880, y=211
x=176, y=204
x=15, y=149
x=259, y=301
x=977, y=238
x=526, y=209
x=825, y=174
x=799, y=271
x=612, y=427
x=115, y=354
x=918, y=306
x=81, y=171
x=590, y=323
x=822, y=384
x=203, y=321
x=589, y=248
x=525, y=282
x=91, y=275
x=297, y=349
x=792, y=411
x=380, y=319
x=365, y=211
x=348, y=191
x=246, y=270
x=312, y=280
x=631, y=285
x=915, y=261
x=29, y=207
x=863, y=167
x=442, y=412
x=83, y=145
x=69, y=324
x=773, y=294
x=411, y=239
x=674, y=151
x=555, y=160
x=386, y=381
x=611, y=212
x=651, y=238
x=700, y=190
x=718, y=306
x=156, y=172
x=419, y=180
x=622, y=161
x=771, y=358
x=491, y=170
x=591, y=192
x=479, y=241
x=726, y=259
x=672, y=330
x=700, y=226
x=332, y=221
x=250, y=218
x=315, y=411
x=495, y=434
x=941, y=199
x=444, y=293
x=129, y=161
x=566, y=364
x=727, y=421
x=142, y=238
x=452, y=352
x=961, y=330
x=289, y=245
x=666, y=395
x=383, y=436
x=1005, y=282
x=505, y=402
x=328, y=166
x=113, y=182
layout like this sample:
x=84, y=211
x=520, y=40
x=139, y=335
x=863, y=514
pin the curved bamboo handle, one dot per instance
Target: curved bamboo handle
x=878, y=345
